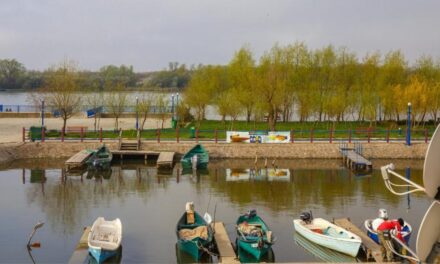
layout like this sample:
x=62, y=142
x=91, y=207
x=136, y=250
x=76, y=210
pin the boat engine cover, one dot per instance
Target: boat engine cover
x=306, y=217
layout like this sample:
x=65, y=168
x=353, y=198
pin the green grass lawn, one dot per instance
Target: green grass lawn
x=210, y=129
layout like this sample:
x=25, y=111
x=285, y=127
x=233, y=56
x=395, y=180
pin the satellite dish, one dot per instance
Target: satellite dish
x=429, y=232
x=431, y=168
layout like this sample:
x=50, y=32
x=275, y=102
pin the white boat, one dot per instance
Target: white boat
x=105, y=238
x=324, y=233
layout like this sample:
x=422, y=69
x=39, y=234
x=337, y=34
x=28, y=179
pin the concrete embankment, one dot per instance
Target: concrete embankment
x=9, y=152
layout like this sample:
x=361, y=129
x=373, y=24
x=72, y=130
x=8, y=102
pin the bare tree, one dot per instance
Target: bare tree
x=144, y=109
x=161, y=107
x=62, y=90
x=116, y=101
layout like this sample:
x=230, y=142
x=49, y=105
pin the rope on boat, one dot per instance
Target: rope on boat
x=200, y=246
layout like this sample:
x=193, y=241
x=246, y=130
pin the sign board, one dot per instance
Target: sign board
x=257, y=137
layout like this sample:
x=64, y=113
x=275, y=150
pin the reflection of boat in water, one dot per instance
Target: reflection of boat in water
x=321, y=252
x=278, y=174
x=189, y=171
x=237, y=174
x=38, y=176
x=97, y=174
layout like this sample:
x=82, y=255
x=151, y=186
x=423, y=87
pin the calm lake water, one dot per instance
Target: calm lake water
x=150, y=203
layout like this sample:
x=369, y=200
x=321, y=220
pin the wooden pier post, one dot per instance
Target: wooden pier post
x=216, y=136
x=100, y=135
x=24, y=134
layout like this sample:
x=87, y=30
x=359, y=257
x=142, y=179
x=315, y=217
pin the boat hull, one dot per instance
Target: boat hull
x=102, y=255
x=251, y=247
x=191, y=248
x=202, y=157
x=347, y=246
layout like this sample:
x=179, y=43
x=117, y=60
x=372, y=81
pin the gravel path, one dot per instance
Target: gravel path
x=11, y=128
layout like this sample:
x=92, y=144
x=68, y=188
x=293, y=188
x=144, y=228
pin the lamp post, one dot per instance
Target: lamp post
x=408, y=130
x=172, y=111
x=137, y=113
x=42, y=113
x=177, y=102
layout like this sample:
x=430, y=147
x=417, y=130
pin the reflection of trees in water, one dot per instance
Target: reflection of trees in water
x=329, y=189
x=67, y=203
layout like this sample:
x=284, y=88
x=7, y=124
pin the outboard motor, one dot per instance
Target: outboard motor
x=251, y=213
x=306, y=217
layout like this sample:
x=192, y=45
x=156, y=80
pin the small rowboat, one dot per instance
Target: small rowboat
x=406, y=231
x=253, y=235
x=201, y=160
x=105, y=238
x=195, y=236
x=100, y=159
x=324, y=233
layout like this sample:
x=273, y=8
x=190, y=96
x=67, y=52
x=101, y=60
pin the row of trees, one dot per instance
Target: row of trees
x=14, y=75
x=326, y=84
x=61, y=92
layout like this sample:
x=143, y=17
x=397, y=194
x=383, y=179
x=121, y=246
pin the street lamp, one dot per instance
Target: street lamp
x=408, y=130
x=177, y=102
x=137, y=114
x=172, y=105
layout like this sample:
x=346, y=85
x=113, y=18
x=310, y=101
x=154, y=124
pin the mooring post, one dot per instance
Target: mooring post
x=100, y=135
x=292, y=136
x=24, y=133
x=311, y=135
x=388, y=135
x=331, y=135
x=43, y=132
x=216, y=135
x=369, y=135
x=62, y=134
x=426, y=135
x=177, y=135
x=82, y=135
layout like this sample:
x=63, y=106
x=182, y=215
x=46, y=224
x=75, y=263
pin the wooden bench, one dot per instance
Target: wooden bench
x=76, y=129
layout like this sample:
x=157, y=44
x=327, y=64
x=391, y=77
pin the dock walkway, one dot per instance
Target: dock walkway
x=81, y=251
x=165, y=160
x=355, y=161
x=78, y=159
x=372, y=248
x=226, y=252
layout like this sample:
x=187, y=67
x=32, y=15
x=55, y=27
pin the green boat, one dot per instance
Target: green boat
x=253, y=235
x=100, y=159
x=197, y=154
x=196, y=238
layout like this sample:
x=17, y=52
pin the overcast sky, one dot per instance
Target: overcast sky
x=149, y=34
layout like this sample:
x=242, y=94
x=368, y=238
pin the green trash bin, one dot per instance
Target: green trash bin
x=192, y=131
x=173, y=123
x=35, y=133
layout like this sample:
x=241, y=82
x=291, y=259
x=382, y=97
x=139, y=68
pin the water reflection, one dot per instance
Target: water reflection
x=322, y=253
x=149, y=203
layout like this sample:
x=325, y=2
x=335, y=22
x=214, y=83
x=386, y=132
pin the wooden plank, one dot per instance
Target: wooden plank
x=165, y=159
x=81, y=251
x=226, y=252
x=353, y=156
x=79, y=158
x=366, y=240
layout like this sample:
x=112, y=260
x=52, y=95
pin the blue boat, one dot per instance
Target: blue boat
x=406, y=231
x=194, y=237
x=253, y=235
x=104, y=239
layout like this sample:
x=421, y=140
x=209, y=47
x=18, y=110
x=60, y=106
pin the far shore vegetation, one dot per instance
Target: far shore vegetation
x=287, y=83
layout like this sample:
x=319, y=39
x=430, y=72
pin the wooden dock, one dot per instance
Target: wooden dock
x=224, y=246
x=355, y=161
x=78, y=159
x=371, y=248
x=81, y=251
x=165, y=160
